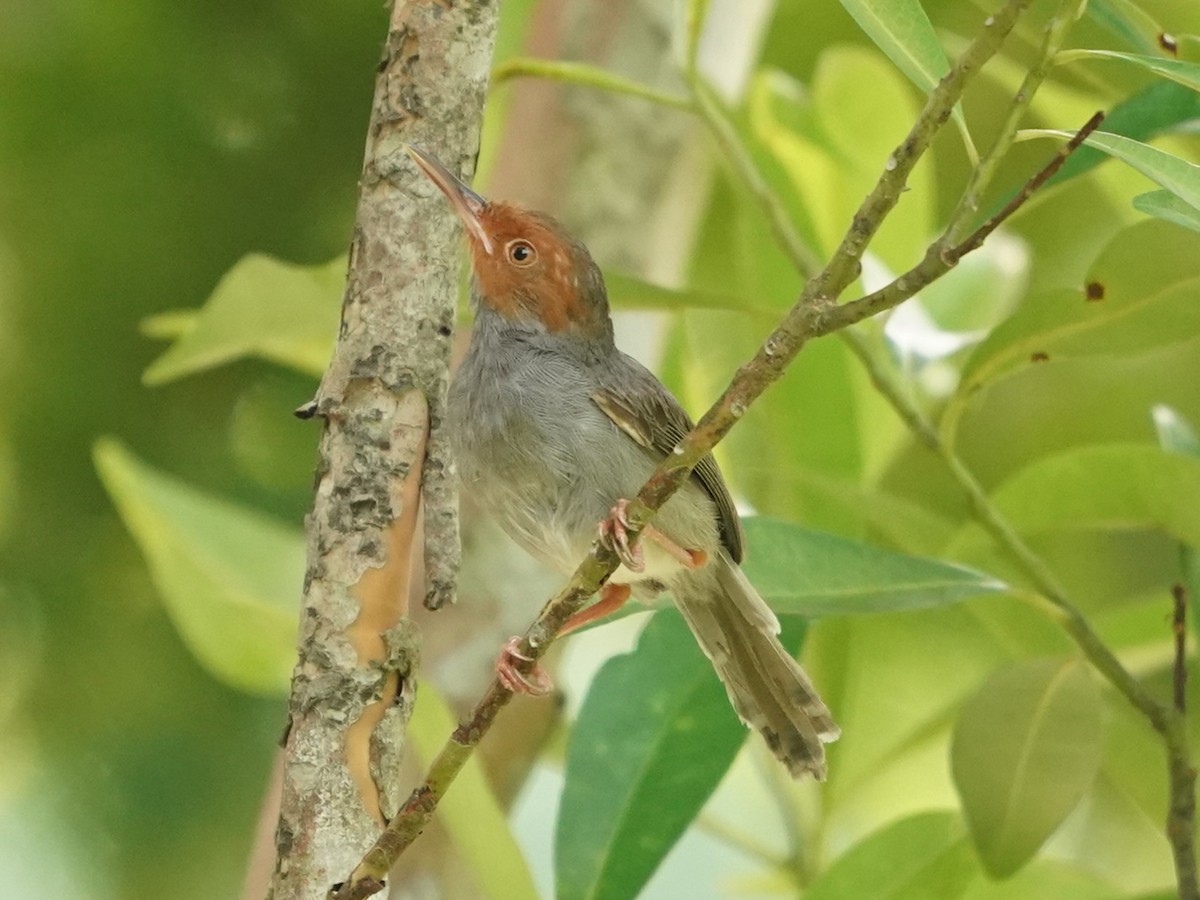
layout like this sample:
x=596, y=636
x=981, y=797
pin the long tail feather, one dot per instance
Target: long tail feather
x=766, y=686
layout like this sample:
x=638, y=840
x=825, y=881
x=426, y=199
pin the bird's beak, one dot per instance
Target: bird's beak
x=468, y=204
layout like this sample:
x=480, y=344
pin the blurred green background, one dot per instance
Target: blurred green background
x=144, y=148
x=147, y=147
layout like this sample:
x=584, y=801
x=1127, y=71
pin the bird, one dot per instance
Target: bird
x=553, y=428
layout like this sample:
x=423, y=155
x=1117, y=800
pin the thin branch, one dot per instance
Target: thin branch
x=803, y=257
x=804, y=321
x=586, y=76
x=939, y=259
x=983, y=173
x=1179, y=627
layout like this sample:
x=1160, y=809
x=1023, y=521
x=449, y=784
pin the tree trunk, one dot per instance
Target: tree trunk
x=382, y=450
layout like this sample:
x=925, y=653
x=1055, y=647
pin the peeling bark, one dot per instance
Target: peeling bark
x=382, y=402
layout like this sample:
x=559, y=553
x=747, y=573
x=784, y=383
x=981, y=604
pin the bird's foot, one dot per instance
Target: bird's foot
x=536, y=683
x=691, y=559
x=614, y=533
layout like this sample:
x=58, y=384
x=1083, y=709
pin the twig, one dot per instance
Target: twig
x=940, y=259
x=983, y=173
x=804, y=321
x=585, y=75
x=803, y=257
x=1179, y=626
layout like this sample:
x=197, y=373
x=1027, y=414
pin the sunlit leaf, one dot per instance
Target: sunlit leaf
x=1165, y=205
x=470, y=813
x=1139, y=294
x=1128, y=20
x=654, y=737
x=926, y=855
x=1116, y=487
x=1176, y=435
x=1157, y=108
x=262, y=307
x=628, y=292
x=812, y=573
x=904, y=33
x=1185, y=73
x=229, y=576
x=1177, y=175
x=1026, y=748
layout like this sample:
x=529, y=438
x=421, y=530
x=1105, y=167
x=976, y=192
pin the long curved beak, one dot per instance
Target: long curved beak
x=468, y=204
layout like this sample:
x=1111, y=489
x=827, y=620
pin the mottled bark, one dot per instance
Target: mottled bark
x=382, y=449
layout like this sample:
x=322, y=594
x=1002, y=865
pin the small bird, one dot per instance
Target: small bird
x=553, y=428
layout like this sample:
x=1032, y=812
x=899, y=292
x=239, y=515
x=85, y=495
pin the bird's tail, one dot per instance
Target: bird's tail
x=766, y=686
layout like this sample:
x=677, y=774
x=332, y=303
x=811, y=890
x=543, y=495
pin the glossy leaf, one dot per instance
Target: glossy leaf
x=1142, y=290
x=1117, y=487
x=1185, y=73
x=628, y=292
x=1177, y=175
x=1165, y=205
x=904, y=33
x=654, y=737
x=1128, y=20
x=229, y=576
x=811, y=573
x=926, y=855
x=1157, y=108
x=262, y=307
x=1026, y=748
x=470, y=813
x=1176, y=435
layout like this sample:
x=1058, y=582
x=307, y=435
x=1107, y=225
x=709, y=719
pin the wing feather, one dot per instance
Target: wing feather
x=653, y=418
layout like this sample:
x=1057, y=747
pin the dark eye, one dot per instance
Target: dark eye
x=521, y=252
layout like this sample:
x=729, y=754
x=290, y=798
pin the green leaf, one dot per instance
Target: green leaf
x=1185, y=73
x=470, y=813
x=1165, y=205
x=628, y=292
x=1157, y=108
x=923, y=856
x=229, y=576
x=1142, y=289
x=1113, y=487
x=1177, y=175
x=904, y=33
x=1176, y=435
x=811, y=573
x=1127, y=20
x=1026, y=748
x=654, y=737
x=262, y=307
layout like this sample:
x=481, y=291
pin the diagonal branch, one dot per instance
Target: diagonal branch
x=807, y=319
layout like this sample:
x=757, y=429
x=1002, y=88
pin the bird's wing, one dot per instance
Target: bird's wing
x=646, y=411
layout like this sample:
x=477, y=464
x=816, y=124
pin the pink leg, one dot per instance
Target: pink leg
x=691, y=559
x=536, y=684
x=612, y=598
x=613, y=532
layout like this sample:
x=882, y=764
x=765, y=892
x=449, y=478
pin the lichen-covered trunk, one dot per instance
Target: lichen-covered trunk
x=382, y=450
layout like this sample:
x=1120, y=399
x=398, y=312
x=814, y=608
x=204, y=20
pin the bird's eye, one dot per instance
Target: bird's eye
x=521, y=252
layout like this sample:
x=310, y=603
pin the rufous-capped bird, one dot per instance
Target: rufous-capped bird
x=553, y=428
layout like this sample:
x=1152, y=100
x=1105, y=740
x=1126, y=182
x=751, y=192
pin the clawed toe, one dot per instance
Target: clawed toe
x=535, y=684
x=614, y=533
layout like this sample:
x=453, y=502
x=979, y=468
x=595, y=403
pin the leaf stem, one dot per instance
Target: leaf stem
x=586, y=76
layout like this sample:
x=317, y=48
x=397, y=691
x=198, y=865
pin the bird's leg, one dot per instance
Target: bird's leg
x=691, y=559
x=537, y=683
x=613, y=533
x=612, y=598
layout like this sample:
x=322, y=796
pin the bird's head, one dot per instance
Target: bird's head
x=526, y=266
